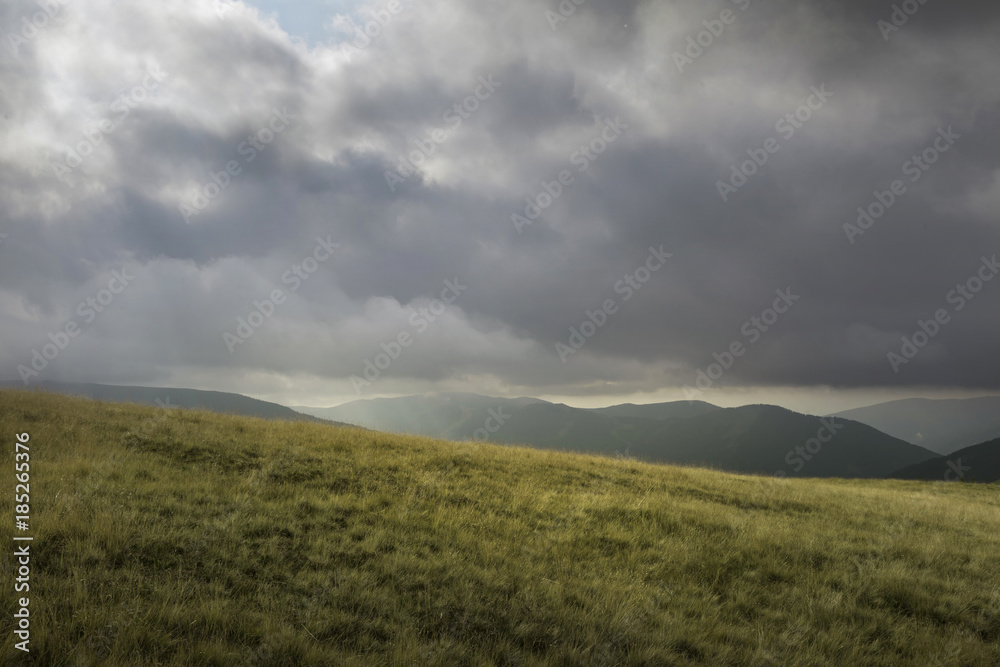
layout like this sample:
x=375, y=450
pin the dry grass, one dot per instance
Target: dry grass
x=194, y=538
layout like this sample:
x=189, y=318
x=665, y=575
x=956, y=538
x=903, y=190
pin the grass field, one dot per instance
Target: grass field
x=176, y=537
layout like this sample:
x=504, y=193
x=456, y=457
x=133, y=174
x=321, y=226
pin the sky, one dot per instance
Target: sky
x=313, y=202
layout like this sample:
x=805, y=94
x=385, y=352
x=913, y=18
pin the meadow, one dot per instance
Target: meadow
x=175, y=537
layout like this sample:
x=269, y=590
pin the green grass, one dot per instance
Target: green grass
x=194, y=538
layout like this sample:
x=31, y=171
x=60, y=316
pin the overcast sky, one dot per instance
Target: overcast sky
x=527, y=164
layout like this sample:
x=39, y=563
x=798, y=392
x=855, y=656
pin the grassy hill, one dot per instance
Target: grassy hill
x=189, y=537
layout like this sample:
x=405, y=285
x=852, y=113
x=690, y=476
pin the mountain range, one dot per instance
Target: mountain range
x=761, y=439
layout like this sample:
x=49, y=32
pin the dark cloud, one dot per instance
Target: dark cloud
x=325, y=176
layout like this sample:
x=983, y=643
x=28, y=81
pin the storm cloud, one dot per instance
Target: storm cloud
x=846, y=153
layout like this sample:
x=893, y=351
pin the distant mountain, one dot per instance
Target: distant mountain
x=216, y=401
x=753, y=439
x=767, y=439
x=940, y=425
x=979, y=463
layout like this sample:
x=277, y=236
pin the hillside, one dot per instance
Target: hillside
x=979, y=463
x=940, y=425
x=173, y=397
x=196, y=538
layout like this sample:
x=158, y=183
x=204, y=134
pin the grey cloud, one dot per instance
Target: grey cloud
x=655, y=185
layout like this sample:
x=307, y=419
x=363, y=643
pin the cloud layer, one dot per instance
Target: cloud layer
x=533, y=160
